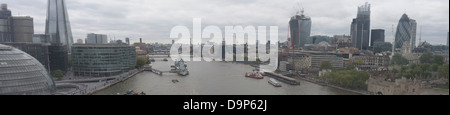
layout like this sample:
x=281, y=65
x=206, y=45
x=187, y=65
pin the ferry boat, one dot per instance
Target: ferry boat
x=274, y=82
x=282, y=78
x=255, y=74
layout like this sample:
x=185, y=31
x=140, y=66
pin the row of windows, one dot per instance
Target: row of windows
x=20, y=69
x=21, y=82
x=16, y=63
x=15, y=76
x=39, y=88
x=12, y=57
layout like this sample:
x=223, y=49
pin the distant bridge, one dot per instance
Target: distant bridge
x=160, y=52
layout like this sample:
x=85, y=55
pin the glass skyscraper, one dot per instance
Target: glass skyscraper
x=406, y=32
x=57, y=23
x=300, y=29
x=102, y=60
x=377, y=35
x=5, y=28
x=360, y=28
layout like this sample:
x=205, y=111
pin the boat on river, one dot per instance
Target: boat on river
x=255, y=74
x=274, y=82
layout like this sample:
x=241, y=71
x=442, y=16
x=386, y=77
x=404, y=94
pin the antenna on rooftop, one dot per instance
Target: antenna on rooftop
x=420, y=38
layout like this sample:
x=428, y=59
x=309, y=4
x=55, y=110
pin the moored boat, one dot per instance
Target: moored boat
x=274, y=82
x=181, y=67
x=255, y=74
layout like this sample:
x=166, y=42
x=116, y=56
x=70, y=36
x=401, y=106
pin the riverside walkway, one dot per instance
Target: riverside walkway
x=91, y=85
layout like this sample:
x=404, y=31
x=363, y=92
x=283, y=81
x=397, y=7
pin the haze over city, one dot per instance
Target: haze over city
x=153, y=20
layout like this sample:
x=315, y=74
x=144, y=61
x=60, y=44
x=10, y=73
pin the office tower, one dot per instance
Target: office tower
x=406, y=32
x=377, y=35
x=413, y=33
x=102, y=60
x=5, y=28
x=23, y=29
x=127, y=40
x=300, y=30
x=360, y=28
x=57, y=23
x=15, y=28
x=96, y=39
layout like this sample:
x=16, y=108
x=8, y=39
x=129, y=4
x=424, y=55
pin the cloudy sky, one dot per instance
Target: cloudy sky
x=152, y=20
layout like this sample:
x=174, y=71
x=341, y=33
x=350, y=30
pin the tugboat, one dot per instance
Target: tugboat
x=255, y=74
x=274, y=82
x=181, y=68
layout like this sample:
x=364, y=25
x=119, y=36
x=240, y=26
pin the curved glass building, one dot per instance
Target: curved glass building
x=300, y=29
x=406, y=32
x=21, y=74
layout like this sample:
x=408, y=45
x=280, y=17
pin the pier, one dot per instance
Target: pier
x=156, y=71
x=282, y=78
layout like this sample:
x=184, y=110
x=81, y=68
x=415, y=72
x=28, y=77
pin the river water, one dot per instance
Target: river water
x=213, y=78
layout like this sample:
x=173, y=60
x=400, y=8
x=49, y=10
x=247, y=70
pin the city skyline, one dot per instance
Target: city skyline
x=135, y=19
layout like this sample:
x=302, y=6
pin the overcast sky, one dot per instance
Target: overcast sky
x=152, y=20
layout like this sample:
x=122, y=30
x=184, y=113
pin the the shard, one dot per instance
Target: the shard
x=57, y=23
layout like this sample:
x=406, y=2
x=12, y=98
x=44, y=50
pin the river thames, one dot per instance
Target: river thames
x=213, y=78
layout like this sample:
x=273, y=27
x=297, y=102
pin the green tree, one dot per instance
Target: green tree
x=412, y=66
x=395, y=71
x=434, y=67
x=57, y=74
x=417, y=71
x=325, y=65
x=443, y=71
x=408, y=74
x=70, y=62
x=426, y=58
x=140, y=62
x=398, y=59
x=132, y=67
x=349, y=78
x=425, y=67
x=427, y=74
x=350, y=67
x=437, y=59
